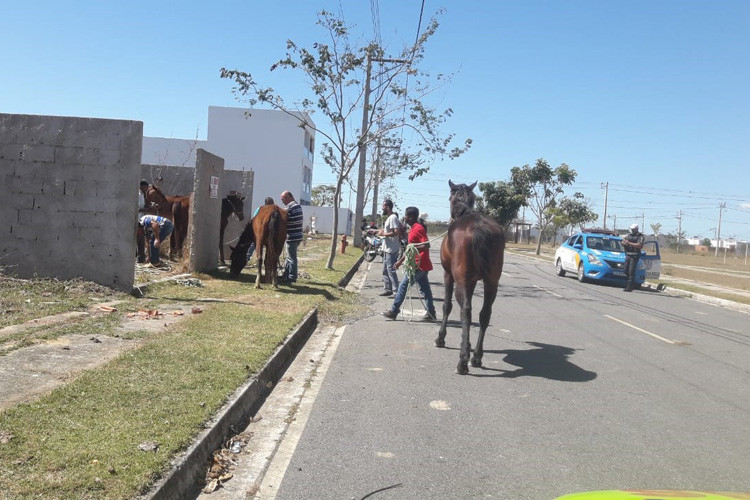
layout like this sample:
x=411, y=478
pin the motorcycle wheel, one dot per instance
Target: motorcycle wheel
x=369, y=253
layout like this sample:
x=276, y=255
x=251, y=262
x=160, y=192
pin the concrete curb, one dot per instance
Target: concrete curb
x=348, y=276
x=180, y=481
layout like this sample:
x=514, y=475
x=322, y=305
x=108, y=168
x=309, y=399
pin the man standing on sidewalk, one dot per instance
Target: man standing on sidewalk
x=293, y=236
x=390, y=234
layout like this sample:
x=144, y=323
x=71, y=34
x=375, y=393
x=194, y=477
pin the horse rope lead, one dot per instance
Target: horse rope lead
x=411, y=265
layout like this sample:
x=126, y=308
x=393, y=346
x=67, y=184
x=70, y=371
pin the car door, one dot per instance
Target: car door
x=576, y=244
x=652, y=259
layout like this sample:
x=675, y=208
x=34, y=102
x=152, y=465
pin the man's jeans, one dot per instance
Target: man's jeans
x=290, y=265
x=390, y=277
x=164, y=231
x=424, y=285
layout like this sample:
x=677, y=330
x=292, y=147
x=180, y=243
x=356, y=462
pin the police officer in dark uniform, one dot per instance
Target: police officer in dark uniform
x=633, y=243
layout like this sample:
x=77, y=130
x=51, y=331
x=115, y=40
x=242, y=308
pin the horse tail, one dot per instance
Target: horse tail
x=274, y=221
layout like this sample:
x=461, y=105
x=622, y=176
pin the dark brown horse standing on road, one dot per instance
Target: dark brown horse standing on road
x=233, y=203
x=268, y=230
x=471, y=251
x=174, y=208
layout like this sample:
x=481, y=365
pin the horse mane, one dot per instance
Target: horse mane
x=462, y=199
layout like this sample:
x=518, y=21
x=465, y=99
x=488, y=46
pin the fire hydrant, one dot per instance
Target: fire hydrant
x=344, y=244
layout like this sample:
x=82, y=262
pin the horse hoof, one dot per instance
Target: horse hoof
x=476, y=362
x=439, y=343
x=462, y=369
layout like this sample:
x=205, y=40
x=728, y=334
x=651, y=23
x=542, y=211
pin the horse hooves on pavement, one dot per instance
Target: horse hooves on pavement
x=439, y=343
x=476, y=362
x=462, y=369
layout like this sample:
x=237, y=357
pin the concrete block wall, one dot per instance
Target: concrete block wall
x=177, y=180
x=205, y=212
x=68, y=197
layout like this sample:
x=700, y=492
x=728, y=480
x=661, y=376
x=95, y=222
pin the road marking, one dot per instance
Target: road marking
x=658, y=337
x=545, y=290
x=287, y=445
x=440, y=405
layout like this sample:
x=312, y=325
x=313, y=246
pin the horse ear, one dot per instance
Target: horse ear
x=473, y=185
x=450, y=183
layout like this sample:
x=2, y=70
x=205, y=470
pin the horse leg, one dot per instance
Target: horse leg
x=490, y=292
x=221, y=242
x=259, y=249
x=447, y=307
x=463, y=297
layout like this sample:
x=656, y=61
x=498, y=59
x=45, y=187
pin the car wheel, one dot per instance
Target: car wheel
x=559, y=268
x=581, y=274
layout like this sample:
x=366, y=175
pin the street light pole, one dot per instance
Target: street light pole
x=359, y=209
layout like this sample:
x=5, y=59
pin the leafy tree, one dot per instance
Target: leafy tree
x=501, y=200
x=337, y=72
x=324, y=195
x=545, y=186
x=571, y=212
x=706, y=242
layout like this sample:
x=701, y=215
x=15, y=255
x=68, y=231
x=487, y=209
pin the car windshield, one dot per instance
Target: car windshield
x=603, y=243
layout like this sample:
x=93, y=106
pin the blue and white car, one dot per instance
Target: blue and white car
x=599, y=256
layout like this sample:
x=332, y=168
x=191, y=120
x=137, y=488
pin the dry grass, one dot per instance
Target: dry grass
x=82, y=440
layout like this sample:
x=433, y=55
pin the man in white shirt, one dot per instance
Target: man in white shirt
x=390, y=234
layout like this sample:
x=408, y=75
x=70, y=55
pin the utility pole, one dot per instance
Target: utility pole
x=643, y=221
x=605, y=186
x=359, y=209
x=679, y=229
x=376, y=181
x=722, y=207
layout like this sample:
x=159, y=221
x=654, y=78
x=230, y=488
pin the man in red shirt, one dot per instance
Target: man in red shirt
x=423, y=264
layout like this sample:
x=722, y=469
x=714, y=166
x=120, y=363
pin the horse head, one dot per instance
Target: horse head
x=155, y=198
x=236, y=200
x=462, y=199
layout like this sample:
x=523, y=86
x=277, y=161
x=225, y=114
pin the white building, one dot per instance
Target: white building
x=269, y=142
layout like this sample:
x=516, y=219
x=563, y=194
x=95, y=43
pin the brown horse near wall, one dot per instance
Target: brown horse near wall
x=174, y=208
x=268, y=230
x=471, y=251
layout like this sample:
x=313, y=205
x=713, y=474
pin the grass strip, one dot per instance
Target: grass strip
x=82, y=440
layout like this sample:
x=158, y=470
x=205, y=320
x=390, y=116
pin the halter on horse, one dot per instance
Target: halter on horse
x=471, y=251
x=232, y=204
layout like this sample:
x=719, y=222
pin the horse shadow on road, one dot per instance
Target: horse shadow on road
x=545, y=360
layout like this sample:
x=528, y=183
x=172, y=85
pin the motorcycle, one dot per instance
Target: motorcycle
x=373, y=245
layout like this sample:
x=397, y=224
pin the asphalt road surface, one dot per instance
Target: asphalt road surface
x=583, y=388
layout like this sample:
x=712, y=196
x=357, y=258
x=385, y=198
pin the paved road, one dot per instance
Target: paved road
x=584, y=388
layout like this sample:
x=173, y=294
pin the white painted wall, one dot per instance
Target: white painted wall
x=168, y=151
x=324, y=219
x=269, y=142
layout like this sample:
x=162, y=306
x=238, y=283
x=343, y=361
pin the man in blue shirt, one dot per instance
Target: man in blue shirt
x=156, y=229
x=293, y=236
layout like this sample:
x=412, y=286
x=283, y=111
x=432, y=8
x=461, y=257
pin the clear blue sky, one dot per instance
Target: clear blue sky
x=649, y=96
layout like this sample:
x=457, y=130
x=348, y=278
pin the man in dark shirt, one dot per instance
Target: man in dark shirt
x=293, y=236
x=633, y=243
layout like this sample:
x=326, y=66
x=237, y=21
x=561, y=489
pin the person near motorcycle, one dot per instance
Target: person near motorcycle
x=390, y=234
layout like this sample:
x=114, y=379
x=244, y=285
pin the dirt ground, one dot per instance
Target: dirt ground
x=29, y=372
